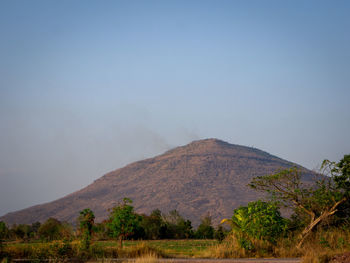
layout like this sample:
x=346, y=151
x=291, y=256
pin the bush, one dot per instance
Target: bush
x=259, y=220
x=220, y=233
x=205, y=229
x=53, y=229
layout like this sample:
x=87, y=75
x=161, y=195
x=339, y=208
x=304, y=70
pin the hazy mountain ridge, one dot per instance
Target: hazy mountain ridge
x=205, y=176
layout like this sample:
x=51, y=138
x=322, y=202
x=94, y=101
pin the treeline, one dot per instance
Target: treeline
x=51, y=229
x=157, y=225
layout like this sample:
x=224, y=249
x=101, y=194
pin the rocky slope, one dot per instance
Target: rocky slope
x=206, y=176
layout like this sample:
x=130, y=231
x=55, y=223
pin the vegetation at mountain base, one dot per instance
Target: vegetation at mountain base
x=53, y=229
x=156, y=226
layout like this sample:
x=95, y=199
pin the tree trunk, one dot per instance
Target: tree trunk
x=314, y=222
x=121, y=241
x=309, y=228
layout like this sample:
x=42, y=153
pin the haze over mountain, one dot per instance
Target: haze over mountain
x=205, y=176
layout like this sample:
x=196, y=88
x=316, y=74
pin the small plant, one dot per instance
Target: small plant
x=245, y=243
x=324, y=242
x=340, y=242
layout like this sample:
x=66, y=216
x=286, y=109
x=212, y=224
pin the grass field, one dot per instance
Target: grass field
x=179, y=248
x=313, y=251
x=172, y=248
x=110, y=248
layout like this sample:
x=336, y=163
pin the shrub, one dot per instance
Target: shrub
x=259, y=220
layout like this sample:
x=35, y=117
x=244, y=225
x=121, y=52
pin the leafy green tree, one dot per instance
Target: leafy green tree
x=123, y=221
x=205, y=230
x=86, y=223
x=319, y=201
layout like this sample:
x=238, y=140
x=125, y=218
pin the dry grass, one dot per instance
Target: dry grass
x=149, y=258
x=320, y=247
x=61, y=250
x=146, y=258
x=230, y=248
x=323, y=245
x=142, y=250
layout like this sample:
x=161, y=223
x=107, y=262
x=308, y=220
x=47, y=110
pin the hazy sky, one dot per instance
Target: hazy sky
x=89, y=86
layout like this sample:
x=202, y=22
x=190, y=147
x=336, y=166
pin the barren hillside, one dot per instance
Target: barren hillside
x=206, y=176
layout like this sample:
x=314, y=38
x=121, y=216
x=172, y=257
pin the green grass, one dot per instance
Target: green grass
x=173, y=248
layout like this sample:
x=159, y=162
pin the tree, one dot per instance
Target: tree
x=86, y=223
x=176, y=226
x=4, y=231
x=318, y=201
x=53, y=229
x=205, y=229
x=21, y=231
x=152, y=224
x=123, y=220
x=184, y=229
x=34, y=229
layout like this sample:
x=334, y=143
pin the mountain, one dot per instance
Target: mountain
x=205, y=176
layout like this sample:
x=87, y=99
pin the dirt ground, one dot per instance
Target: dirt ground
x=241, y=260
x=343, y=258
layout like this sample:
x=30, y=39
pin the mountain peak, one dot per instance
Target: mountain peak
x=216, y=147
x=201, y=146
x=210, y=142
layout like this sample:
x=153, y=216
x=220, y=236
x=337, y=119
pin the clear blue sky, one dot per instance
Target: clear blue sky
x=89, y=86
